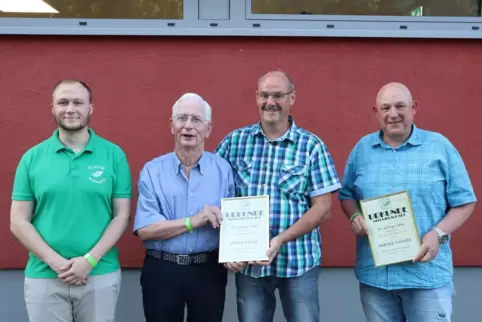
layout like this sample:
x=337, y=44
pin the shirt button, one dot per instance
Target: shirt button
x=190, y=249
x=191, y=213
x=191, y=193
x=394, y=150
x=392, y=168
x=264, y=184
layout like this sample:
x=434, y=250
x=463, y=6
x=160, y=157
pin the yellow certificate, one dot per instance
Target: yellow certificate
x=392, y=229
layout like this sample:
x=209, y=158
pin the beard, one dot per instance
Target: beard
x=72, y=127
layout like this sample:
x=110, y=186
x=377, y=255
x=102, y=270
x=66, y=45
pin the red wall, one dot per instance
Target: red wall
x=137, y=79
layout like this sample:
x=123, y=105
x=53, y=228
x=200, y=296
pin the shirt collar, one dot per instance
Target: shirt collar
x=201, y=164
x=414, y=138
x=290, y=135
x=59, y=146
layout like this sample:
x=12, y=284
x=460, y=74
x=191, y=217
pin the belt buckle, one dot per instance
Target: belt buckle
x=182, y=259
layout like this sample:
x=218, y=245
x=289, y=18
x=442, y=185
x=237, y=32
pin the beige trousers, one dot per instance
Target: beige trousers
x=51, y=300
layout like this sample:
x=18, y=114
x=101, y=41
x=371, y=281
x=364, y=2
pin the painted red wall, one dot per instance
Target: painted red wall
x=137, y=79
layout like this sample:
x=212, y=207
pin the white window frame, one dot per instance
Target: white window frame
x=241, y=22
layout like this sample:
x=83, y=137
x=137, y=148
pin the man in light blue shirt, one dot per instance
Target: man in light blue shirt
x=403, y=157
x=178, y=217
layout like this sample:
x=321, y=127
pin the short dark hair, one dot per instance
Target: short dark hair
x=70, y=81
x=291, y=84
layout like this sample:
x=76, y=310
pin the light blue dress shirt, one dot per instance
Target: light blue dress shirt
x=165, y=193
x=432, y=171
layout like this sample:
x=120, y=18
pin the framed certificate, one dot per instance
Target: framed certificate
x=392, y=229
x=244, y=232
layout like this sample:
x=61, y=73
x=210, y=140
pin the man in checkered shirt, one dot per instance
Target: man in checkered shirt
x=275, y=157
x=400, y=157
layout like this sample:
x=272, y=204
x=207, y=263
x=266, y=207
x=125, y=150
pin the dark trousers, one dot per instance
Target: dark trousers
x=168, y=287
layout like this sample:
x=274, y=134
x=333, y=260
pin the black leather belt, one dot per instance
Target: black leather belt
x=198, y=258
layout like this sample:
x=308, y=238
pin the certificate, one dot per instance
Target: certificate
x=244, y=232
x=392, y=229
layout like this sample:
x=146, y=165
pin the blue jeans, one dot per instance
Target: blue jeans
x=412, y=305
x=299, y=297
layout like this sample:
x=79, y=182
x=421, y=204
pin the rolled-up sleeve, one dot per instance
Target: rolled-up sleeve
x=148, y=210
x=323, y=176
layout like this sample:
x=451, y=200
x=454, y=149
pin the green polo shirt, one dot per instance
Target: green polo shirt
x=73, y=197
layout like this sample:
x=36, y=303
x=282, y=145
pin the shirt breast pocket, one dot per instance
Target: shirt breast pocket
x=243, y=172
x=292, y=178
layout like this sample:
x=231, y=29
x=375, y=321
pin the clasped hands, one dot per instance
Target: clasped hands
x=73, y=271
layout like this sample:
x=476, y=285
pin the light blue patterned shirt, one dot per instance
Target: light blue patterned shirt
x=166, y=194
x=432, y=171
x=291, y=170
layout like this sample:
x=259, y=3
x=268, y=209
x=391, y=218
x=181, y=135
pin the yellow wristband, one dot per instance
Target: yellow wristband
x=356, y=214
x=188, y=224
x=91, y=260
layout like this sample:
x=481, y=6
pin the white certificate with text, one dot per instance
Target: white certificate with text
x=392, y=229
x=244, y=232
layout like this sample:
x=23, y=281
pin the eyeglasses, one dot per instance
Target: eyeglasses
x=183, y=118
x=276, y=96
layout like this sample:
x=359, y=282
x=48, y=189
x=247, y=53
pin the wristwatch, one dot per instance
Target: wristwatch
x=442, y=237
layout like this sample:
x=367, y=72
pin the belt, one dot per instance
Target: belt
x=198, y=258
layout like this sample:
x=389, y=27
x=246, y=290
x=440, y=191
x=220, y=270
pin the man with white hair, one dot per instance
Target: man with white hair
x=178, y=217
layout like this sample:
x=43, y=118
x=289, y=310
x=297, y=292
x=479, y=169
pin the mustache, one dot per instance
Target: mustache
x=266, y=107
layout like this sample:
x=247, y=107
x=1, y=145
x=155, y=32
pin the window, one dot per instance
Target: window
x=448, y=8
x=287, y=18
x=93, y=9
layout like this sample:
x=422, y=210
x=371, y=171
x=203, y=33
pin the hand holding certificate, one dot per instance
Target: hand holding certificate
x=244, y=233
x=392, y=229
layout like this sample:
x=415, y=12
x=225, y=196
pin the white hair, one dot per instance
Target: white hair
x=194, y=97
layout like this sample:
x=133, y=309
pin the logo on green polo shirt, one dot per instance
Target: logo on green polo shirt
x=96, y=172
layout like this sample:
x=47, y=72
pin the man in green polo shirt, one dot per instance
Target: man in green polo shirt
x=70, y=205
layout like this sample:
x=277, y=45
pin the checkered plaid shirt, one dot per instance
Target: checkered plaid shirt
x=291, y=170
